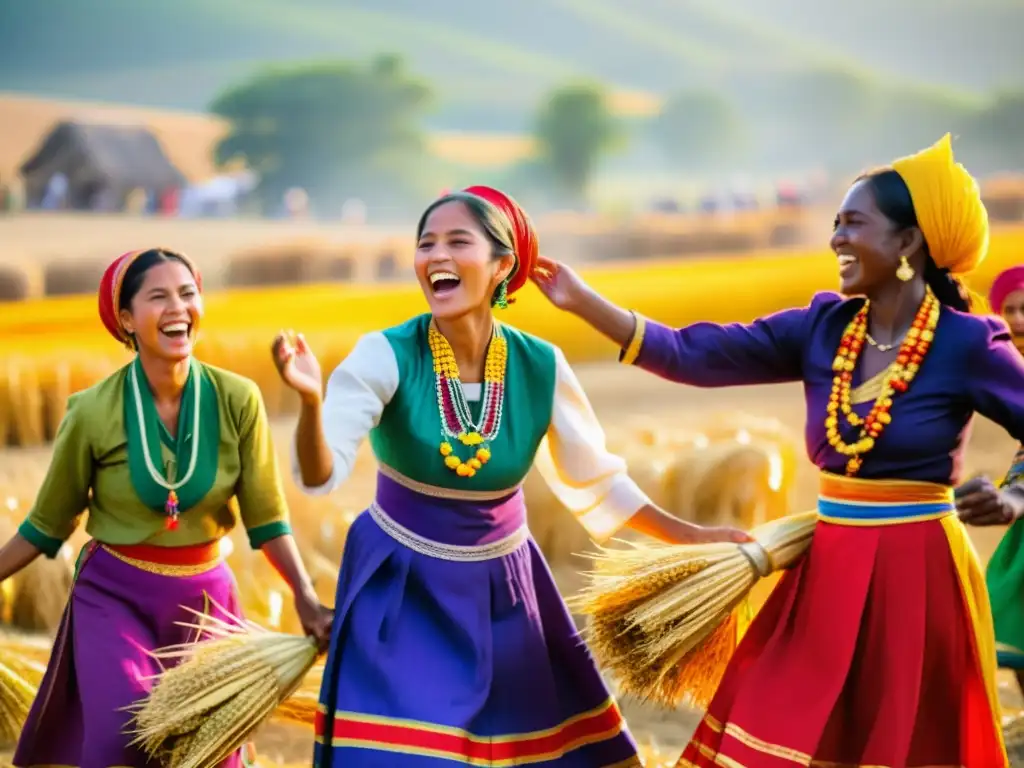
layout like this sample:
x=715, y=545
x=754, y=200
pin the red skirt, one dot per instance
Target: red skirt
x=865, y=654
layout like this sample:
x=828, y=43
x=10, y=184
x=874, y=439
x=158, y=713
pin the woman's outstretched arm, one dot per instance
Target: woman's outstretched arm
x=769, y=350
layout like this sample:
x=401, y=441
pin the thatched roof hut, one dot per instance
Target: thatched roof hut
x=101, y=162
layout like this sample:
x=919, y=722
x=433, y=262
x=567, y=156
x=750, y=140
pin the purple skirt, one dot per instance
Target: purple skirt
x=453, y=646
x=117, y=612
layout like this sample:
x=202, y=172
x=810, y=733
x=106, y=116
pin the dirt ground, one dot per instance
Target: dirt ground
x=620, y=396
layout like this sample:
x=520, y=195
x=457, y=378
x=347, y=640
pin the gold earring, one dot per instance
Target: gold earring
x=904, y=271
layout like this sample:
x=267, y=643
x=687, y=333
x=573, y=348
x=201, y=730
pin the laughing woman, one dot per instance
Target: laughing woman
x=451, y=644
x=165, y=454
x=877, y=648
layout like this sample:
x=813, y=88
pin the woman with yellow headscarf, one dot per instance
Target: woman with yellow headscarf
x=877, y=647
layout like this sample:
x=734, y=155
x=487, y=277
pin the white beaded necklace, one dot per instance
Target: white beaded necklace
x=172, y=498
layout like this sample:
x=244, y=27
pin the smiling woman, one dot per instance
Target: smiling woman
x=464, y=242
x=877, y=647
x=158, y=305
x=451, y=641
x=165, y=454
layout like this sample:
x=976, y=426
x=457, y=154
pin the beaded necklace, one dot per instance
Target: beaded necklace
x=898, y=377
x=456, y=419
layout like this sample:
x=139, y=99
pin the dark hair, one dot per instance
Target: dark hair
x=892, y=196
x=136, y=273
x=496, y=228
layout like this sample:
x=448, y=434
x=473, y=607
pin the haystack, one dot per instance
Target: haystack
x=26, y=425
x=14, y=284
x=34, y=599
x=717, y=474
x=286, y=263
x=65, y=277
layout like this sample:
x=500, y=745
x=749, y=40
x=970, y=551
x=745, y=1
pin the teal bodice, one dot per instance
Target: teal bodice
x=409, y=434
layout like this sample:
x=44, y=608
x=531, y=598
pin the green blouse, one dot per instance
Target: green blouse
x=91, y=470
x=409, y=433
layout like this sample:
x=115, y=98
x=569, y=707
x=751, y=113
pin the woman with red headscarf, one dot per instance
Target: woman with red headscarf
x=1004, y=574
x=165, y=454
x=451, y=642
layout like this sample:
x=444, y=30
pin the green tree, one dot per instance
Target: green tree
x=337, y=129
x=573, y=130
x=700, y=129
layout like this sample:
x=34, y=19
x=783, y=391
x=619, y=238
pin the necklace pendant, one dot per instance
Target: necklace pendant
x=171, y=508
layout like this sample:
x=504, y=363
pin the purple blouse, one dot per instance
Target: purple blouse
x=972, y=366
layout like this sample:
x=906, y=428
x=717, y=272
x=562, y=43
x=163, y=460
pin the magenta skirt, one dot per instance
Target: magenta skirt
x=120, y=608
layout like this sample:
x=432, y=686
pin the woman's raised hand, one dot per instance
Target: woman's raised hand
x=559, y=283
x=298, y=366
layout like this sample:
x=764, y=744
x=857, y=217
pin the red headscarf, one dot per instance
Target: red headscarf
x=524, y=235
x=110, y=290
x=1008, y=281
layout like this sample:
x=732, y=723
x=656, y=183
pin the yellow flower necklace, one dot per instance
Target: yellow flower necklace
x=456, y=419
x=908, y=361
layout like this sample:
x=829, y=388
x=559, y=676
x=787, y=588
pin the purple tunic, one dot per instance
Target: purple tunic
x=972, y=366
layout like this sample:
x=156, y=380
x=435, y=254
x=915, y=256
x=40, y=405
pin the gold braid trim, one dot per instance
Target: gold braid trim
x=161, y=569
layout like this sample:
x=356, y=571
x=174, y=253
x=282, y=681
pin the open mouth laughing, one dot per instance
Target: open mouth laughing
x=443, y=283
x=177, y=331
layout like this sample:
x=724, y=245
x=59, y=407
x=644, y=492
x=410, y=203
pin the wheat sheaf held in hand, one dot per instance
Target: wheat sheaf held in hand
x=664, y=619
x=224, y=686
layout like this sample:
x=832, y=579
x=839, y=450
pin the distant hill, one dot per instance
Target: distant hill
x=968, y=44
x=491, y=61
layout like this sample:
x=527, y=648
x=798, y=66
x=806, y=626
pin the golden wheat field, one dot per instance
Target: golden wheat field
x=56, y=346
x=708, y=455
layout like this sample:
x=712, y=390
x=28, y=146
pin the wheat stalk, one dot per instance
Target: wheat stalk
x=663, y=617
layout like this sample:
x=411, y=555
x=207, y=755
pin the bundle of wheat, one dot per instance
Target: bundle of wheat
x=26, y=654
x=664, y=618
x=1013, y=737
x=220, y=690
x=40, y=591
x=22, y=666
x=16, y=696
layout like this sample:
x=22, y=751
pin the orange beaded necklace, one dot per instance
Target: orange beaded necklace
x=456, y=420
x=908, y=361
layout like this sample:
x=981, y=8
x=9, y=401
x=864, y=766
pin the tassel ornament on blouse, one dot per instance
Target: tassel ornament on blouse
x=171, y=508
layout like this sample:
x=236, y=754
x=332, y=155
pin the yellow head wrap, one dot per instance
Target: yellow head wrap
x=948, y=204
